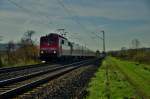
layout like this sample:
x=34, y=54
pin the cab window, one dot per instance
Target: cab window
x=62, y=42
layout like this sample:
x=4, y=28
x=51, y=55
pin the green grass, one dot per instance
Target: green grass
x=20, y=63
x=97, y=85
x=137, y=75
x=31, y=62
x=126, y=80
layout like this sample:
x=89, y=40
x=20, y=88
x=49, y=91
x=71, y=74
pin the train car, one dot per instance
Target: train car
x=54, y=46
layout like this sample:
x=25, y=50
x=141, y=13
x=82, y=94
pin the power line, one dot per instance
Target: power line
x=97, y=35
x=76, y=20
x=70, y=14
x=64, y=7
x=25, y=9
x=77, y=38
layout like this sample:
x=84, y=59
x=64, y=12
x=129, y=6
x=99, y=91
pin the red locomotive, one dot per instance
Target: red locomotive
x=56, y=46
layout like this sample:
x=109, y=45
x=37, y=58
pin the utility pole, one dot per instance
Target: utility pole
x=103, y=40
x=107, y=68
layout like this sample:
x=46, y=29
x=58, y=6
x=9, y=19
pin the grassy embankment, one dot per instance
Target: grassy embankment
x=124, y=80
x=138, y=55
x=20, y=62
x=27, y=54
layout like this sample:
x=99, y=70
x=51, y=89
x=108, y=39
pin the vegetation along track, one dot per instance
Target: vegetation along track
x=18, y=85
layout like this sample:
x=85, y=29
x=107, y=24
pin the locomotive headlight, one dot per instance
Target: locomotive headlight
x=42, y=52
x=54, y=52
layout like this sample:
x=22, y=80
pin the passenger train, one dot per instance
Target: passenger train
x=55, y=46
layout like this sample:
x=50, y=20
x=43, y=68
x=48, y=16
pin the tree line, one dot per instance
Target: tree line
x=135, y=53
x=23, y=53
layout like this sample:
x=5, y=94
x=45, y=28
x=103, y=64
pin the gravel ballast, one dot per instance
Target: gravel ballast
x=68, y=86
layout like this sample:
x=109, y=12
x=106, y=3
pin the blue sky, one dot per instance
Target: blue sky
x=122, y=20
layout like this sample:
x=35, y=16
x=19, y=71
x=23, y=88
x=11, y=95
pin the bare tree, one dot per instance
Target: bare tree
x=135, y=43
x=11, y=46
x=135, y=46
x=123, y=48
x=10, y=49
x=28, y=48
x=29, y=34
x=27, y=38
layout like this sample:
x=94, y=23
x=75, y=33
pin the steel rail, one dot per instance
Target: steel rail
x=9, y=92
x=21, y=78
x=17, y=68
x=22, y=71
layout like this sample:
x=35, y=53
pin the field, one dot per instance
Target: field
x=118, y=79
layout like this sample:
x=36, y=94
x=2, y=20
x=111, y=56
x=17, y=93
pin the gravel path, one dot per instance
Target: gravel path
x=68, y=86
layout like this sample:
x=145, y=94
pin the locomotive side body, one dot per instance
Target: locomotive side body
x=64, y=47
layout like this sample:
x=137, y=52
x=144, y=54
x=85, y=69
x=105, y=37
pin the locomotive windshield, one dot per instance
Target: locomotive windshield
x=51, y=39
x=44, y=40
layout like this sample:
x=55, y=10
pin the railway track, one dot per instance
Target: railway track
x=10, y=72
x=22, y=72
x=18, y=68
x=18, y=85
x=12, y=69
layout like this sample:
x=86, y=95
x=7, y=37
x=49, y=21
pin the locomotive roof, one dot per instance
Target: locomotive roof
x=55, y=35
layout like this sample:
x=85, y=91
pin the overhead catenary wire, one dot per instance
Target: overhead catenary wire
x=77, y=38
x=25, y=9
x=70, y=14
x=76, y=20
x=61, y=3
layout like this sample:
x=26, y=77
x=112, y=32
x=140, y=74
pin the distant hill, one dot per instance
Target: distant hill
x=4, y=46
